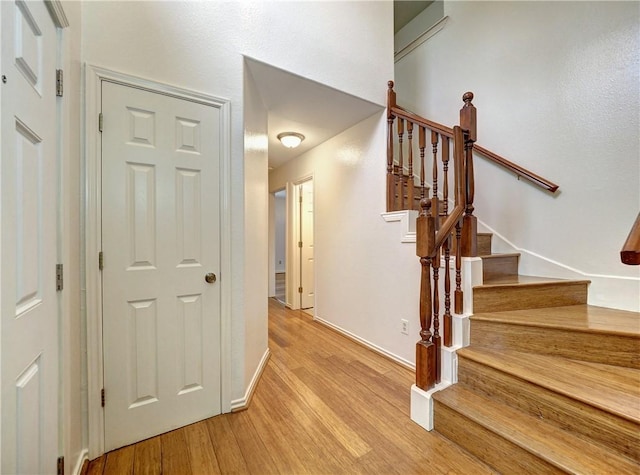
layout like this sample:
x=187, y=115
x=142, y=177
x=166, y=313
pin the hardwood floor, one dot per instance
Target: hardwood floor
x=324, y=405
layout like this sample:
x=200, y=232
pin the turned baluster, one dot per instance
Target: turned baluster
x=434, y=197
x=426, y=358
x=446, y=318
x=445, y=178
x=410, y=190
x=458, y=302
x=470, y=222
x=391, y=102
x=400, y=163
x=421, y=145
x=437, y=340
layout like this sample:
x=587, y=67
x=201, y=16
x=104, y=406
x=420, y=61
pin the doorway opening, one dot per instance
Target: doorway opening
x=280, y=220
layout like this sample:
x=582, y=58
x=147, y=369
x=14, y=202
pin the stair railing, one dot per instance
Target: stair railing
x=395, y=173
x=630, y=253
x=440, y=231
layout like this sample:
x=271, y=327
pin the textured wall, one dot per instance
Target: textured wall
x=200, y=46
x=556, y=87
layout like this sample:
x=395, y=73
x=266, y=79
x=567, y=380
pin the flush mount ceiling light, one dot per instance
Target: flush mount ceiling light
x=290, y=139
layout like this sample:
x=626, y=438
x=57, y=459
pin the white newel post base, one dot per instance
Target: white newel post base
x=422, y=405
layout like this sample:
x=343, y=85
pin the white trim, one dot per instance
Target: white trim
x=381, y=351
x=92, y=236
x=420, y=39
x=243, y=402
x=57, y=13
x=407, y=219
x=292, y=231
x=422, y=404
x=77, y=469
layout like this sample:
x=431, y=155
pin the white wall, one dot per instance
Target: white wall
x=556, y=87
x=200, y=46
x=256, y=225
x=366, y=280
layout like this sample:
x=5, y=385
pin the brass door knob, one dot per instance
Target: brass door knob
x=210, y=278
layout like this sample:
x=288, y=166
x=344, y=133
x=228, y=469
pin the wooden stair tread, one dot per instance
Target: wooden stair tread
x=556, y=446
x=586, y=318
x=517, y=280
x=615, y=392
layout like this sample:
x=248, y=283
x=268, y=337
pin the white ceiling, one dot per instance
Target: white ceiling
x=296, y=104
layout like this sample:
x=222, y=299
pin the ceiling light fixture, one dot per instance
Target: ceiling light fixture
x=290, y=139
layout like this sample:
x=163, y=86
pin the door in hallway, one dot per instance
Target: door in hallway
x=29, y=205
x=307, y=297
x=161, y=245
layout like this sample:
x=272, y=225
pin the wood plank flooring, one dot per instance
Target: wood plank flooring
x=324, y=405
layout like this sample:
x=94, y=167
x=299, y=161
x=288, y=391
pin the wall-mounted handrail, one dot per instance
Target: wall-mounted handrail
x=519, y=171
x=630, y=253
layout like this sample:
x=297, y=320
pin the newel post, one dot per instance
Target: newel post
x=391, y=192
x=469, y=222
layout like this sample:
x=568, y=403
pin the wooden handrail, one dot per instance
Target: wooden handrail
x=630, y=253
x=519, y=171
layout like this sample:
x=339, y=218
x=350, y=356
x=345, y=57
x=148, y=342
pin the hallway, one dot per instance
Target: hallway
x=324, y=405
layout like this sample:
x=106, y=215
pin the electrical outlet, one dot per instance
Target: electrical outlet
x=404, y=327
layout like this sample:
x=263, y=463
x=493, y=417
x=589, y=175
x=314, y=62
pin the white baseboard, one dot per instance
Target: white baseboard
x=243, y=403
x=367, y=344
x=77, y=468
x=613, y=291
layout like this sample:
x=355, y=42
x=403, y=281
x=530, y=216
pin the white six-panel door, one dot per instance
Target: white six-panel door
x=29, y=325
x=160, y=231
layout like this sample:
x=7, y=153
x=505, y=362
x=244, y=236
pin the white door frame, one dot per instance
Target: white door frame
x=92, y=213
x=292, y=251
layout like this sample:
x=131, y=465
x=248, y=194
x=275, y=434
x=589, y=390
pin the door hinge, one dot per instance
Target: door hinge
x=299, y=290
x=100, y=121
x=59, y=277
x=300, y=199
x=60, y=470
x=102, y=397
x=100, y=260
x=59, y=82
x=299, y=243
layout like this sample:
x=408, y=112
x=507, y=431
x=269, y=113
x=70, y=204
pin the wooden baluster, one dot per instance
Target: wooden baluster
x=437, y=340
x=458, y=303
x=459, y=192
x=445, y=178
x=400, y=164
x=446, y=318
x=426, y=358
x=421, y=145
x=410, y=190
x=391, y=192
x=435, y=206
x=470, y=222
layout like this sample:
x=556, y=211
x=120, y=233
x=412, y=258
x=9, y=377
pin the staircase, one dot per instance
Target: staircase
x=548, y=384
